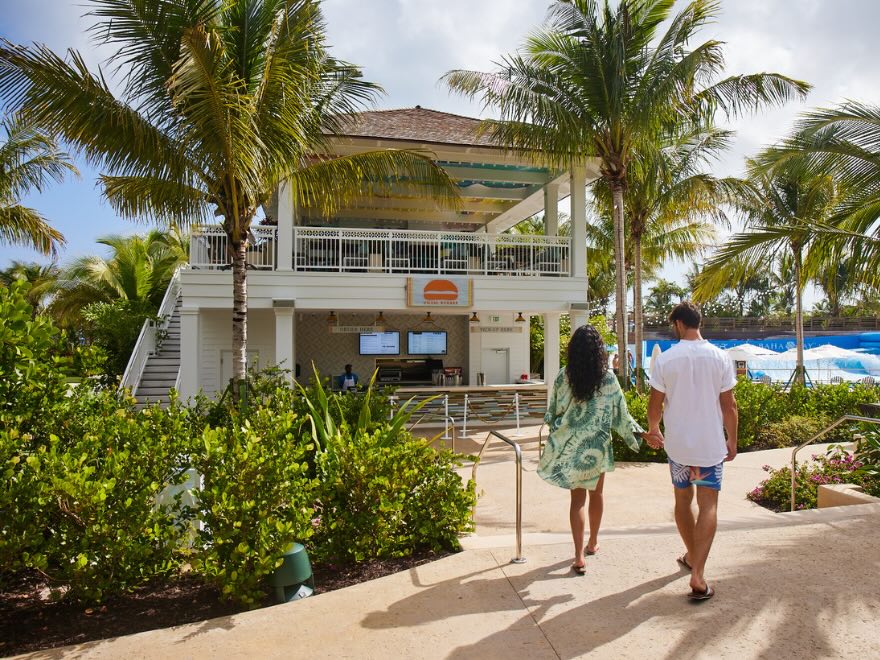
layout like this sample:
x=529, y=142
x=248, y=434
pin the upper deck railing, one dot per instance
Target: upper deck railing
x=393, y=251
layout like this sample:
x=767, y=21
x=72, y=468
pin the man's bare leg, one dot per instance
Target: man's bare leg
x=704, y=534
x=577, y=519
x=684, y=519
x=597, y=504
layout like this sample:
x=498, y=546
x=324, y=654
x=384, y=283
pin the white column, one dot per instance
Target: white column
x=285, y=227
x=578, y=318
x=188, y=381
x=475, y=349
x=551, y=348
x=551, y=209
x=285, y=346
x=578, y=221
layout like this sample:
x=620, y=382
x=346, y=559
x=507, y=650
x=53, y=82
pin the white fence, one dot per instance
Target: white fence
x=209, y=248
x=407, y=251
x=318, y=249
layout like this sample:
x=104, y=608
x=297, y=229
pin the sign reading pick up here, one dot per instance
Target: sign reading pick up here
x=439, y=291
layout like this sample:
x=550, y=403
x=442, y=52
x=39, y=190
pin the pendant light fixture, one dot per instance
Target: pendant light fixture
x=474, y=318
x=519, y=318
x=332, y=319
x=380, y=320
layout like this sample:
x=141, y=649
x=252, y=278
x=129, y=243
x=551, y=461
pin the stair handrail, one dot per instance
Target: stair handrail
x=812, y=440
x=518, y=559
x=147, y=341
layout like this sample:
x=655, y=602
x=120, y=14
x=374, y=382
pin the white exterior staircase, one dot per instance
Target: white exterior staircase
x=154, y=367
x=162, y=366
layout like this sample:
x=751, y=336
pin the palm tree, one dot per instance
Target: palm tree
x=843, y=142
x=138, y=270
x=598, y=82
x=29, y=160
x=778, y=207
x=42, y=279
x=668, y=196
x=220, y=102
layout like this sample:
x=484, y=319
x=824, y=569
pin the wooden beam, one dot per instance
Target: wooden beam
x=426, y=204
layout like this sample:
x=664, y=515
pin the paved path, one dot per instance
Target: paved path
x=802, y=585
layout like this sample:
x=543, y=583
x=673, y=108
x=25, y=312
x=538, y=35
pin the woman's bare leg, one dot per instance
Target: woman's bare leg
x=576, y=517
x=597, y=504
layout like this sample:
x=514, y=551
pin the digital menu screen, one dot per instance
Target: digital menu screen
x=426, y=343
x=380, y=343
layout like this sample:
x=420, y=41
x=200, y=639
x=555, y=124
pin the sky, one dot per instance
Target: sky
x=407, y=45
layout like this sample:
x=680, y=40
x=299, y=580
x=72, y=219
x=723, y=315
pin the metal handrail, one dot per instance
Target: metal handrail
x=845, y=418
x=518, y=559
x=541, y=440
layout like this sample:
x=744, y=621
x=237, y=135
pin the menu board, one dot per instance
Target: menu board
x=426, y=343
x=380, y=343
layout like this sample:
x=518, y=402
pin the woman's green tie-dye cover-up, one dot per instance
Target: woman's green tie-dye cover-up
x=579, y=448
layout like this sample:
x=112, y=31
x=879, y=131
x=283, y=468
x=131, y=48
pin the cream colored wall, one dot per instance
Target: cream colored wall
x=517, y=343
x=215, y=336
x=332, y=351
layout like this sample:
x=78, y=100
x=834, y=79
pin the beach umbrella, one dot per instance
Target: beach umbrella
x=746, y=352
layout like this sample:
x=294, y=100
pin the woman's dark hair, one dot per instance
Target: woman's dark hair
x=587, y=362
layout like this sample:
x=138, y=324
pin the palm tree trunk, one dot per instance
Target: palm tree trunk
x=239, y=317
x=798, y=318
x=620, y=286
x=637, y=307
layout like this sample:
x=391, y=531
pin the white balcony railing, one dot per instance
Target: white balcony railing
x=406, y=251
x=209, y=248
x=318, y=249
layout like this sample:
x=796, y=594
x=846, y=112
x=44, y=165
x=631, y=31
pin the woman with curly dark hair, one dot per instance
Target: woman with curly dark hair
x=585, y=406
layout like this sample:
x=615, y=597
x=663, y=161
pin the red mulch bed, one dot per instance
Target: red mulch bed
x=28, y=622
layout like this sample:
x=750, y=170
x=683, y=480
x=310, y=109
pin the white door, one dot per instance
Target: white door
x=496, y=365
x=253, y=360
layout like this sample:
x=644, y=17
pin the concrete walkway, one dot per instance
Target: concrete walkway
x=802, y=585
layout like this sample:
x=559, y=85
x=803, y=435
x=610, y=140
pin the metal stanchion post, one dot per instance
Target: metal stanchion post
x=446, y=415
x=464, y=417
x=516, y=405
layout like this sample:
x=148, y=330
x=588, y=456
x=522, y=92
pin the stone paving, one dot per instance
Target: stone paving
x=802, y=585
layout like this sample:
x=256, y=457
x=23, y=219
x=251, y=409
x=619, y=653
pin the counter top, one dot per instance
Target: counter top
x=439, y=389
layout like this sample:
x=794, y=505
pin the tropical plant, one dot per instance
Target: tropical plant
x=777, y=207
x=662, y=297
x=29, y=160
x=600, y=81
x=844, y=143
x=42, y=278
x=219, y=103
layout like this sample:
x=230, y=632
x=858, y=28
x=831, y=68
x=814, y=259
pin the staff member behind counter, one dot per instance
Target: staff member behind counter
x=347, y=380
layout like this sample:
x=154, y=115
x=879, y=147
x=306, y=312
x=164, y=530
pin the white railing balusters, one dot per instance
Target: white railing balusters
x=393, y=251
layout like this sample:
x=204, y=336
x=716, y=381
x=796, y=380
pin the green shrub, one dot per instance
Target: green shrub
x=114, y=327
x=868, y=454
x=256, y=499
x=834, y=467
x=789, y=432
x=86, y=497
x=387, y=494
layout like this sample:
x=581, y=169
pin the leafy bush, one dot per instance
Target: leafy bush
x=256, y=499
x=868, y=453
x=789, y=432
x=114, y=327
x=387, y=494
x=835, y=467
x=82, y=502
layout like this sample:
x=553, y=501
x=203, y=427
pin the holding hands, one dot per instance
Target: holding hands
x=654, y=438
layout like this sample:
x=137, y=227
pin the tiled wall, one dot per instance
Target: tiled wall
x=331, y=351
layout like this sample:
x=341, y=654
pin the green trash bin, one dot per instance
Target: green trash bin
x=293, y=579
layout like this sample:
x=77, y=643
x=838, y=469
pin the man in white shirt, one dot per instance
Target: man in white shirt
x=695, y=380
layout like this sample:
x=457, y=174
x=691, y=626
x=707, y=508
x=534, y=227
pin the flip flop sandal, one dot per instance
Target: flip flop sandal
x=702, y=595
x=684, y=562
x=580, y=570
x=589, y=553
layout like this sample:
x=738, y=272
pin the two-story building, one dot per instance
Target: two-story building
x=393, y=281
